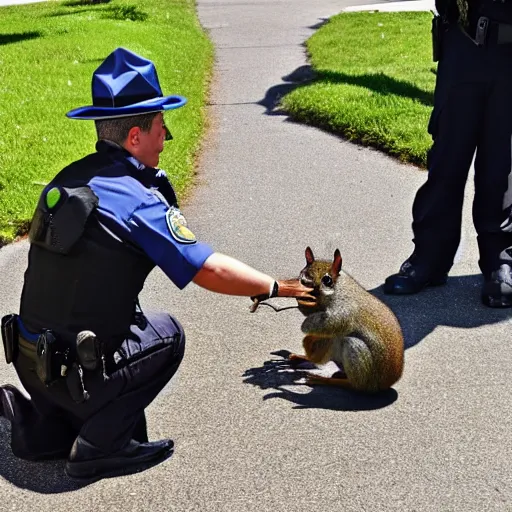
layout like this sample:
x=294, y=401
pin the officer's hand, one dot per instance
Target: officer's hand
x=294, y=288
x=286, y=288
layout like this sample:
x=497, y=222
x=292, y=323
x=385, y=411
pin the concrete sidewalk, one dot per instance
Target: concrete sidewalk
x=250, y=436
x=407, y=5
x=19, y=2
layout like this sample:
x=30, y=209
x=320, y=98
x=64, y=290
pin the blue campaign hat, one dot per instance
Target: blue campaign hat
x=125, y=84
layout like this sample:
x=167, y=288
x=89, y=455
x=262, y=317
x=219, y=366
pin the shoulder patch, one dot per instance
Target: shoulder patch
x=178, y=226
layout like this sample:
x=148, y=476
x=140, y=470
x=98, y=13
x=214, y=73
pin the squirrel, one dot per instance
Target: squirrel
x=349, y=326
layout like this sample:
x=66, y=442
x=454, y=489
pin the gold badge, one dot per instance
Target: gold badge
x=178, y=226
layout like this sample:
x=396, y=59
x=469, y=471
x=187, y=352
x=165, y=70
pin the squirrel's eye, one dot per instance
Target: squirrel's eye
x=327, y=280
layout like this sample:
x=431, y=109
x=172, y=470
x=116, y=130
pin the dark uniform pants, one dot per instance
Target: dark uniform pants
x=49, y=423
x=472, y=110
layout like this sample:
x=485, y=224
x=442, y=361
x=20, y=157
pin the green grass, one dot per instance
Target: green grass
x=48, y=53
x=373, y=82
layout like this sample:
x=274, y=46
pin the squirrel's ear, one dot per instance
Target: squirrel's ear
x=309, y=256
x=336, y=264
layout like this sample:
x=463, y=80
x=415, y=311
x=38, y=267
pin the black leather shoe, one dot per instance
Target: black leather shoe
x=412, y=279
x=497, y=290
x=8, y=407
x=88, y=462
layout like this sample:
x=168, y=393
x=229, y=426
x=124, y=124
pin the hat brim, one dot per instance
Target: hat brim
x=144, y=107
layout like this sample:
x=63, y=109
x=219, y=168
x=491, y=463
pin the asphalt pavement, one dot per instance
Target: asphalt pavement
x=250, y=435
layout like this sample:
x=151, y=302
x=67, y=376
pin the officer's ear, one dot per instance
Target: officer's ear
x=133, y=138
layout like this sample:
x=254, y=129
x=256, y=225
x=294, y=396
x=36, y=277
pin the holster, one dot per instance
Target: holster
x=438, y=29
x=10, y=337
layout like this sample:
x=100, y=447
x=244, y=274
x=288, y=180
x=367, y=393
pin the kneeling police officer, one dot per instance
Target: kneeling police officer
x=90, y=359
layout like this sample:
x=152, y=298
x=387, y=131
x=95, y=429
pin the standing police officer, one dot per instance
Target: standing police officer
x=89, y=358
x=472, y=111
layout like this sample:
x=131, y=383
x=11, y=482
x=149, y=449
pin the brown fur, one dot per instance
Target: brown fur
x=351, y=327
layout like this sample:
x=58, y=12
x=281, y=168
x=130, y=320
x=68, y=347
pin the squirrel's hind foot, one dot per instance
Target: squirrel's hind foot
x=298, y=358
x=329, y=381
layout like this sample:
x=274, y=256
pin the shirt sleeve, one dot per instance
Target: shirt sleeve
x=137, y=215
x=150, y=231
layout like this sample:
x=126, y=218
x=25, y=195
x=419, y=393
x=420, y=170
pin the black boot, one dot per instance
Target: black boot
x=10, y=396
x=33, y=437
x=497, y=289
x=412, y=278
x=88, y=462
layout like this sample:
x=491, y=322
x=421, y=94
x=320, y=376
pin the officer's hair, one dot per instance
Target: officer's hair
x=117, y=129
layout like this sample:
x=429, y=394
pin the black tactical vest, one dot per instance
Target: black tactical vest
x=79, y=277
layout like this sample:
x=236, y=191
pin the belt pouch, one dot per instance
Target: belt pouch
x=10, y=337
x=437, y=37
x=45, y=358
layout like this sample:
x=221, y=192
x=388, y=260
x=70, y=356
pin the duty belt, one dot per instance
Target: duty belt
x=488, y=31
x=53, y=360
x=27, y=348
x=27, y=341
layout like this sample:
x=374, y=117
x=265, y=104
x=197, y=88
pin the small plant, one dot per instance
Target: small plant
x=126, y=12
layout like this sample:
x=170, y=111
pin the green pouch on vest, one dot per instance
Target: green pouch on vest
x=60, y=217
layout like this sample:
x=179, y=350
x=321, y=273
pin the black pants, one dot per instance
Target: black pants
x=472, y=111
x=49, y=422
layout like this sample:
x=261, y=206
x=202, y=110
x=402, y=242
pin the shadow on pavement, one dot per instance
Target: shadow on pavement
x=320, y=24
x=276, y=373
x=301, y=75
x=45, y=477
x=457, y=304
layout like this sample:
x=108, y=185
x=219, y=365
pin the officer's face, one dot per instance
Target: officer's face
x=151, y=143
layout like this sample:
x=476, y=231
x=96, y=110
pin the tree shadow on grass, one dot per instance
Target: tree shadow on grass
x=16, y=38
x=77, y=3
x=77, y=9
x=115, y=12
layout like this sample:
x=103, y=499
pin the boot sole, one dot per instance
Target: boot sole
x=94, y=470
